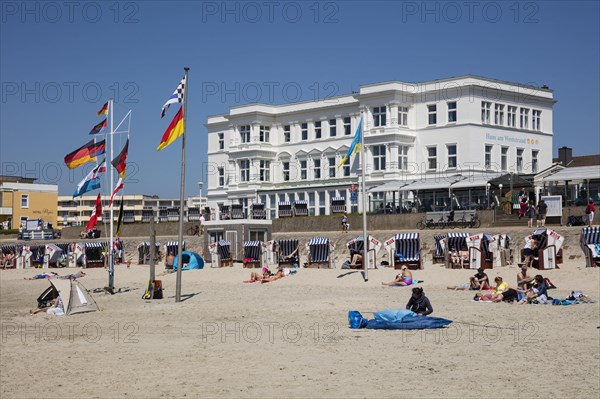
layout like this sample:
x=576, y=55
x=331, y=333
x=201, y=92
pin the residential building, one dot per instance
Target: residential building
x=21, y=199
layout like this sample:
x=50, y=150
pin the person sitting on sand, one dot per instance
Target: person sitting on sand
x=523, y=279
x=404, y=278
x=480, y=281
x=169, y=260
x=419, y=303
x=9, y=260
x=539, y=292
x=55, y=308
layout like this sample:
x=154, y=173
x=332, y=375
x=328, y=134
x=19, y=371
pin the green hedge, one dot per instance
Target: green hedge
x=10, y=231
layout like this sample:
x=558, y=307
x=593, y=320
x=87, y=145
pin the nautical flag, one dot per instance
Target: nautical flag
x=174, y=130
x=120, y=161
x=119, y=186
x=176, y=97
x=103, y=110
x=95, y=212
x=98, y=128
x=91, y=181
x=86, y=153
x=120, y=219
x=355, y=146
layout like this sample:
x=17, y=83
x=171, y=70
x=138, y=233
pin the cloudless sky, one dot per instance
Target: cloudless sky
x=59, y=63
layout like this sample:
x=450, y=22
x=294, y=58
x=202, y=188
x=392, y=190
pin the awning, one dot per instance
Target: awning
x=432, y=183
x=391, y=186
x=475, y=180
x=576, y=173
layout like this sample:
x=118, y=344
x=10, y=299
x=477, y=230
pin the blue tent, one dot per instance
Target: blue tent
x=191, y=260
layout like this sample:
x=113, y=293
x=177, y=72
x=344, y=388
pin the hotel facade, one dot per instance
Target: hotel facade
x=450, y=136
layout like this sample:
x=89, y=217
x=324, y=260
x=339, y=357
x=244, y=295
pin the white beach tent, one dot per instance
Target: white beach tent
x=75, y=298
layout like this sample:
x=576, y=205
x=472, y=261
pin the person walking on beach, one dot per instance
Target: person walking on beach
x=589, y=211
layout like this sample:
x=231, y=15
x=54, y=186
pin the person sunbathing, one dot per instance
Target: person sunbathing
x=277, y=276
x=404, y=278
x=480, y=281
x=9, y=260
x=455, y=258
x=169, y=260
x=355, y=259
x=259, y=276
x=523, y=280
x=291, y=256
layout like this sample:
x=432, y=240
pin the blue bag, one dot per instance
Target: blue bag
x=356, y=320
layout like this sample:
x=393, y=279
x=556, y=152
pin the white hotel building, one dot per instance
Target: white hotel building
x=445, y=135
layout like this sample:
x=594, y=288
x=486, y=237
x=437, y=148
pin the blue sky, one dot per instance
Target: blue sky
x=58, y=65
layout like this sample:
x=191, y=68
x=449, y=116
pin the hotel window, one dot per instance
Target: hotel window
x=24, y=200
x=221, y=172
x=534, y=161
x=244, y=170
x=264, y=133
x=452, y=162
x=431, y=157
x=452, y=111
x=332, y=128
x=286, y=134
x=536, y=116
x=265, y=170
x=499, y=114
x=519, y=159
x=331, y=161
x=378, y=157
x=311, y=204
x=504, y=159
x=245, y=133
x=512, y=116
x=432, y=114
x=403, y=157
x=524, y=118
x=318, y=130
x=286, y=171
x=485, y=111
x=379, y=116
x=347, y=168
x=303, y=170
x=317, y=168
x=321, y=195
x=347, y=126
x=304, y=131
x=488, y=156
x=403, y=116
x=221, y=141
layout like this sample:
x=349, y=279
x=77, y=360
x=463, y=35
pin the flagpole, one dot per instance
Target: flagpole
x=182, y=189
x=111, y=260
x=364, y=201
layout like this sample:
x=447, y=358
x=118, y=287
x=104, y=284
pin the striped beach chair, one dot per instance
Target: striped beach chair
x=300, y=208
x=354, y=246
x=252, y=255
x=144, y=252
x=408, y=251
x=481, y=251
x=284, y=209
x=590, y=245
x=319, y=252
x=458, y=241
x=94, y=254
x=224, y=253
x=173, y=247
x=438, y=250
x=284, y=249
x=549, y=253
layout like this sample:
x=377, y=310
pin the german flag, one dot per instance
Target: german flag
x=103, y=110
x=120, y=161
x=84, y=154
x=174, y=130
x=98, y=128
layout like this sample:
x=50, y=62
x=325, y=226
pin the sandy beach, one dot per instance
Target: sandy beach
x=290, y=338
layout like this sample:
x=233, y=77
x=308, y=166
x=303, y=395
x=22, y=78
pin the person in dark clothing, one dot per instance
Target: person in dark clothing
x=419, y=303
x=542, y=209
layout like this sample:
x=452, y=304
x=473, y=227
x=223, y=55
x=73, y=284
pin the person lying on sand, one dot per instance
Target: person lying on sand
x=259, y=276
x=277, y=276
x=404, y=278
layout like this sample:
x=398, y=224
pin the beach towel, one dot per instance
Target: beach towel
x=412, y=283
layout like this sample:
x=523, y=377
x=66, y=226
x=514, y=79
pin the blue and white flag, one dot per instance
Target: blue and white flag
x=356, y=145
x=91, y=181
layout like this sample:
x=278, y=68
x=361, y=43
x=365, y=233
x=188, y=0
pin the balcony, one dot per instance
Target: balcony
x=5, y=211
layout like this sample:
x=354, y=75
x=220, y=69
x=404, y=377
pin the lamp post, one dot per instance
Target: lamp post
x=487, y=194
x=500, y=199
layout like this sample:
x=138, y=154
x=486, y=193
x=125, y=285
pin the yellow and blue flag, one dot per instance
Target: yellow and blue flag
x=355, y=146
